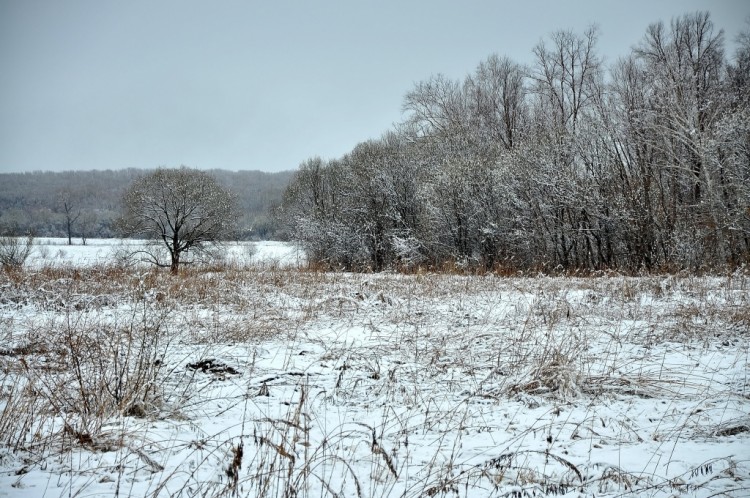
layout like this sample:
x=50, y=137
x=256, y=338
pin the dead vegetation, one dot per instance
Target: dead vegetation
x=281, y=382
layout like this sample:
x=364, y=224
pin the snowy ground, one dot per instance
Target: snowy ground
x=271, y=381
x=50, y=251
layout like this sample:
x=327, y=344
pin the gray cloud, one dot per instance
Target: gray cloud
x=257, y=85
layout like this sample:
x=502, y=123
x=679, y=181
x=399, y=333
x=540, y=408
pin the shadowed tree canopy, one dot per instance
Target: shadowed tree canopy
x=185, y=209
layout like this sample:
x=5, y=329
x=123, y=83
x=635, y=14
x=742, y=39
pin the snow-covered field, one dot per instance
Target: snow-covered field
x=274, y=381
x=50, y=251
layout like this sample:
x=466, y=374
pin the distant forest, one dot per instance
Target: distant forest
x=42, y=202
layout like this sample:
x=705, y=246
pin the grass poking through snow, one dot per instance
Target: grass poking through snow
x=265, y=381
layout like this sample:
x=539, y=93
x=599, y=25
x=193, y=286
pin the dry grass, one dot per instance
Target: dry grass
x=331, y=384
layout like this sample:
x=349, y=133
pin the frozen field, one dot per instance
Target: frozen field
x=50, y=251
x=273, y=381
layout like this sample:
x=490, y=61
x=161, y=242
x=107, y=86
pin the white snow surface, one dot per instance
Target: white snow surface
x=54, y=251
x=332, y=384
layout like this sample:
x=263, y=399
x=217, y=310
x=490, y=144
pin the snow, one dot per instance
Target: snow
x=51, y=251
x=335, y=384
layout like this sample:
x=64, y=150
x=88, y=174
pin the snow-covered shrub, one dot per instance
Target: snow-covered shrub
x=14, y=251
x=408, y=251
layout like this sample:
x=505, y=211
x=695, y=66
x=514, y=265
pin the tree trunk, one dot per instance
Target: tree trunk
x=175, y=266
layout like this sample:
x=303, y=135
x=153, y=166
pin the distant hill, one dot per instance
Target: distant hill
x=33, y=202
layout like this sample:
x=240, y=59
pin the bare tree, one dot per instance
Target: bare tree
x=184, y=209
x=437, y=107
x=562, y=184
x=739, y=71
x=70, y=211
x=685, y=64
x=566, y=74
x=87, y=224
x=497, y=91
x=685, y=67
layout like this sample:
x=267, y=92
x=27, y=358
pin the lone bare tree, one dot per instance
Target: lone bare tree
x=183, y=208
x=69, y=203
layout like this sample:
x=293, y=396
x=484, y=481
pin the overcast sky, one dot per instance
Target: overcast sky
x=100, y=84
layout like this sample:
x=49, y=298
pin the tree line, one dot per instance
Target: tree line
x=566, y=164
x=83, y=204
